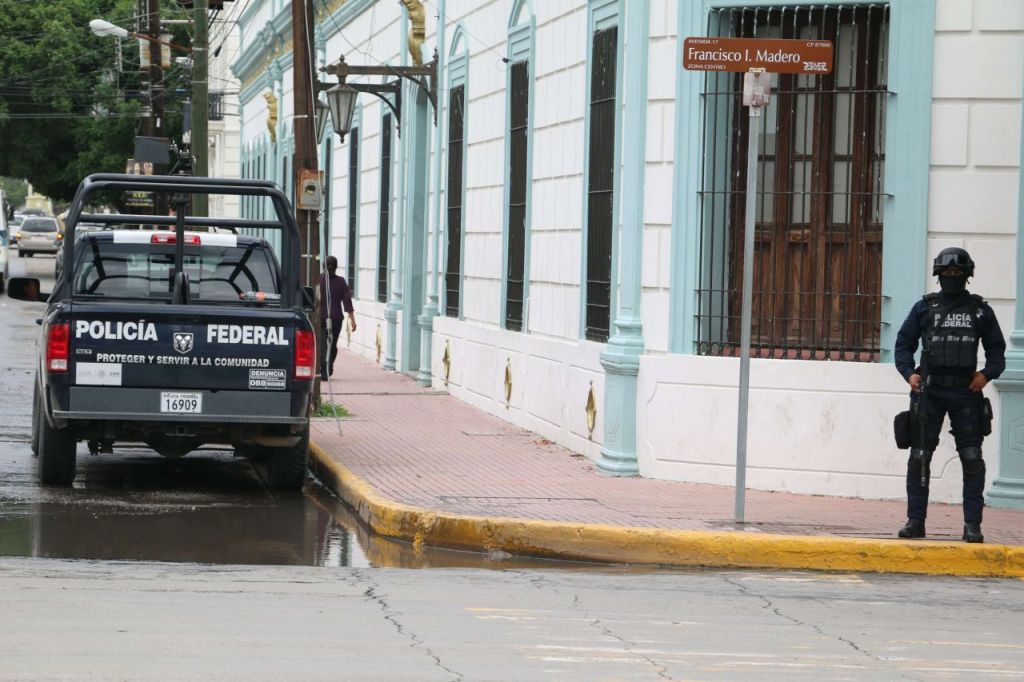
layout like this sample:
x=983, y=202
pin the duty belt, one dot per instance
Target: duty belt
x=949, y=381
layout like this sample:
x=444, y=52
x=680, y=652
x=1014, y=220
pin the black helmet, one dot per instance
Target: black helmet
x=953, y=257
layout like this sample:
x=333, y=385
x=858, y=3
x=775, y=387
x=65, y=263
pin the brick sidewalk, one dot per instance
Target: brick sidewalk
x=426, y=449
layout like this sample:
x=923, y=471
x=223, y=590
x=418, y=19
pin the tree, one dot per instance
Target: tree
x=64, y=112
x=15, y=190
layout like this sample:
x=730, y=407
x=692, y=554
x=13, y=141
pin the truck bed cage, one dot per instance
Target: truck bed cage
x=171, y=221
x=184, y=184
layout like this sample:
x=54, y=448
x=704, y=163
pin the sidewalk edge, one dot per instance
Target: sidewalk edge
x=661, y=546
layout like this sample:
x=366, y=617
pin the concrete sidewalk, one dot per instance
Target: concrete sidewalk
x=420, y=465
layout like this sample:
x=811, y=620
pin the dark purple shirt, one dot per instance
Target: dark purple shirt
x=340, y=294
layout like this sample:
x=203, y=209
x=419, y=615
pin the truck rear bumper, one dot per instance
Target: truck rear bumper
x=143, y=404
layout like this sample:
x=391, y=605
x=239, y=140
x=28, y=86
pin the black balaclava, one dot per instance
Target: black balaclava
x=952, y=284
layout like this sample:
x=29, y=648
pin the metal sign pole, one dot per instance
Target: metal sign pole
x=752, y=57
x=755, y=95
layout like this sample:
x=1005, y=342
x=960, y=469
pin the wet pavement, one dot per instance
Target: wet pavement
x=208, y=507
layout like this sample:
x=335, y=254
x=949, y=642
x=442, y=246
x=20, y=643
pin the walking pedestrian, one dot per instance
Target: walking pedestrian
x=949, y=324
x=332, y=300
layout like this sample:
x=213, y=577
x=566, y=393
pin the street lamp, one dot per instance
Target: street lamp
x=323, y=111
x=105, y=29
x=342, y=97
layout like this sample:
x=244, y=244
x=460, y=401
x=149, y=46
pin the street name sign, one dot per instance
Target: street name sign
x=743, y=54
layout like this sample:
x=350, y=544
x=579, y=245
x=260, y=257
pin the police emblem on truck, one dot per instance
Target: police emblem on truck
x=183, y=342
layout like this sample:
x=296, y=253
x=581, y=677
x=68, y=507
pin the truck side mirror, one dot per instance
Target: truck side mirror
x=25, y=289
x=308, y=298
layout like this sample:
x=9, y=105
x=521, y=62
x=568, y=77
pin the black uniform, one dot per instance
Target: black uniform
x=954, y=323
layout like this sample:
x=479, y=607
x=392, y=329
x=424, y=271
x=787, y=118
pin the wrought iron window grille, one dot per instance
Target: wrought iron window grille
x=820, y=199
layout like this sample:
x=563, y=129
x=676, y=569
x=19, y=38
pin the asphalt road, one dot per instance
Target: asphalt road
x=116, y=620
x=147, y=569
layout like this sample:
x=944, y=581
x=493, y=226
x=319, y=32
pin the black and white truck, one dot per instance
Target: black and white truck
x=175, y=331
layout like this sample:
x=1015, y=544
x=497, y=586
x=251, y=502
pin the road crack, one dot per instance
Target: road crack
x=768, y=605
x=628, y=646
x=372, y=593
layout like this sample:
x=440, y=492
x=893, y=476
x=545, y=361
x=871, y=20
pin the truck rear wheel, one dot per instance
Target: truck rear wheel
x=36, y=412
x=286, y=467
x=56, y=454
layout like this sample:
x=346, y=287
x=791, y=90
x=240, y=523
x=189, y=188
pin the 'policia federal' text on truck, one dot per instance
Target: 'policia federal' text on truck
x=175, y=331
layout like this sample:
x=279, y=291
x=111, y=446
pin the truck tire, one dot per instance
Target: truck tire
x=56, y=454
x=286, y=467
x=36, y=411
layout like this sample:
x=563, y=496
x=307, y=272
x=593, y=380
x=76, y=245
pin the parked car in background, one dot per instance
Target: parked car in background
x=38, y=235
x=5, y=234
x=12, y=228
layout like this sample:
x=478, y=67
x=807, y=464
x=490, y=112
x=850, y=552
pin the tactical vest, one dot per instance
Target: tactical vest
x=953, y=334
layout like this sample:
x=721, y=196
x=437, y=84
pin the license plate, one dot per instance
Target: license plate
x=181, y=403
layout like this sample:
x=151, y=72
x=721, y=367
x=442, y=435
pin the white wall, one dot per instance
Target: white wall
x=816, y=427
x=371, y=38
x=976, y=115
x=225, y=143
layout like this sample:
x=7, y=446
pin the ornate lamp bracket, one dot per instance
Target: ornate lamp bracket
x=424, y=76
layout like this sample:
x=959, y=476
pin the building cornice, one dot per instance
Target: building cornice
x=274, y=39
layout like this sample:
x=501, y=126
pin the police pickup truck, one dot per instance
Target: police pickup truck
x=177, y=333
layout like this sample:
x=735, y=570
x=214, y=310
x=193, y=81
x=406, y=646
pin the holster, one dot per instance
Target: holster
x=902, y=426
x=986, y=416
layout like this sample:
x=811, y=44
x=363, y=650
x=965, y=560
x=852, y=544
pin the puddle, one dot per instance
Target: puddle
x=206, y=508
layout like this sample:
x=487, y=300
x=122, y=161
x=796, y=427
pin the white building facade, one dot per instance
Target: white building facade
x=564, y=248
x=224, y=123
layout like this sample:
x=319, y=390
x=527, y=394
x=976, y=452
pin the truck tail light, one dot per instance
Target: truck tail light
x=305, y=354
x=170, y=238
x=58, y=342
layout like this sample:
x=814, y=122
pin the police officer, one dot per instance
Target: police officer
x=951, y=323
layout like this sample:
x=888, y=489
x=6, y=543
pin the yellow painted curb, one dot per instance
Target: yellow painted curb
x=619, y=544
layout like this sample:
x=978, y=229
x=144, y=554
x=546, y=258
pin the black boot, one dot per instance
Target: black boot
x=913, y=529
x=972, y=532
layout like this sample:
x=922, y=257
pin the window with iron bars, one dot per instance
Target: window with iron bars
x=601, y=183
x=328, y=169
x=244, y=200
x=216, y=106
x=285, y=179
x=519, y=130
x=384, y=222
x=819, y=213
x=353, y=207
x=453, y=266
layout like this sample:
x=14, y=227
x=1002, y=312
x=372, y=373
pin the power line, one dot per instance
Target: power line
x=45, y=115
x=465, y=30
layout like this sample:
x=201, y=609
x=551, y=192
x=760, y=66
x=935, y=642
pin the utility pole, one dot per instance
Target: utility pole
x=303, y=94
x=153, y=125
x=305, y=133
x=200, y=101
x=149, y=25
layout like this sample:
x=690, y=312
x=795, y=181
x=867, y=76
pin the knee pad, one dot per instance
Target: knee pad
x=970, y=458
